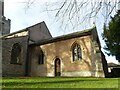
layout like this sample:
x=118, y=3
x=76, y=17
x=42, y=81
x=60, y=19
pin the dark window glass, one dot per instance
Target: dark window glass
x=77, y=54
x=15, y=54
x=41, y=58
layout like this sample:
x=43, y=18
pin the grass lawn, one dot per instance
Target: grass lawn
x=59, y=82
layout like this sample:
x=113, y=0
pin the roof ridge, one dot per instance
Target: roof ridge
x=81, y=31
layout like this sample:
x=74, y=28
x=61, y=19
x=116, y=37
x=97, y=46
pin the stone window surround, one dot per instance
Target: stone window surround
x=18, y=56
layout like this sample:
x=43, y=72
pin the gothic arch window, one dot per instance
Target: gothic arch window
x=76, y=52
x=16, y=54
x=41, y=58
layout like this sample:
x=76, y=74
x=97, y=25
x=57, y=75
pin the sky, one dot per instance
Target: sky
x=22, y=17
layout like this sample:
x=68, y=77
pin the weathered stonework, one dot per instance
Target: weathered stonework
x=90, y=65
x=62, y=49
x=24, y=38
x=6, y=25
x=13, y=69
x=35, y=68
x=37, y=39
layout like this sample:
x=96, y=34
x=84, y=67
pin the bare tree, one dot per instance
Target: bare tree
x=75, y=12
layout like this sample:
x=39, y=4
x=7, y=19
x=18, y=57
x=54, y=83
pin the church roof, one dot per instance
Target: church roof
x=65, y=37
x=14, y=33
x=23, y=30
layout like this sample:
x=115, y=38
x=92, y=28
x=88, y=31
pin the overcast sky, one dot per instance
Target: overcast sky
x=22, y=18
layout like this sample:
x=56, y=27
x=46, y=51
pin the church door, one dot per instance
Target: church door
x=57, y=67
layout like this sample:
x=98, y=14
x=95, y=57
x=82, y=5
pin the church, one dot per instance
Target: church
x=34, y=52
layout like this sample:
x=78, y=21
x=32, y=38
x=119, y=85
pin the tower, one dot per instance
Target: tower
x=4, y=23
x=1, y=14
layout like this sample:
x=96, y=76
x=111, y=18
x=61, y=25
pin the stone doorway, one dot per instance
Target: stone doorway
x=57, y=67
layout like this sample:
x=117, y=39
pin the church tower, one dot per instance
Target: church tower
x=4, y=23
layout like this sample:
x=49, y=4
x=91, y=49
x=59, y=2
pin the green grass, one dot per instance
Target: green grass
x=59, y=82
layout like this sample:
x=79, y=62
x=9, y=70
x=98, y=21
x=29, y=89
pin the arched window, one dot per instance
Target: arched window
x=76, y=51
x=16, y=54
x=41, y=58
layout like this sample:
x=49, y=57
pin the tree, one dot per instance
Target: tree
x=75, y=12
x=111, y=35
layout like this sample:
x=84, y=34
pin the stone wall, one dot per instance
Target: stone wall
x=34, y=68
x=90, y=66
x=33, y=34
x=97, y=60
x=13, y=69
x=63, y=51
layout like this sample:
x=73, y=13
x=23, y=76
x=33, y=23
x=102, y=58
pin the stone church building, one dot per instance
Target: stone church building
x=34, y=52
